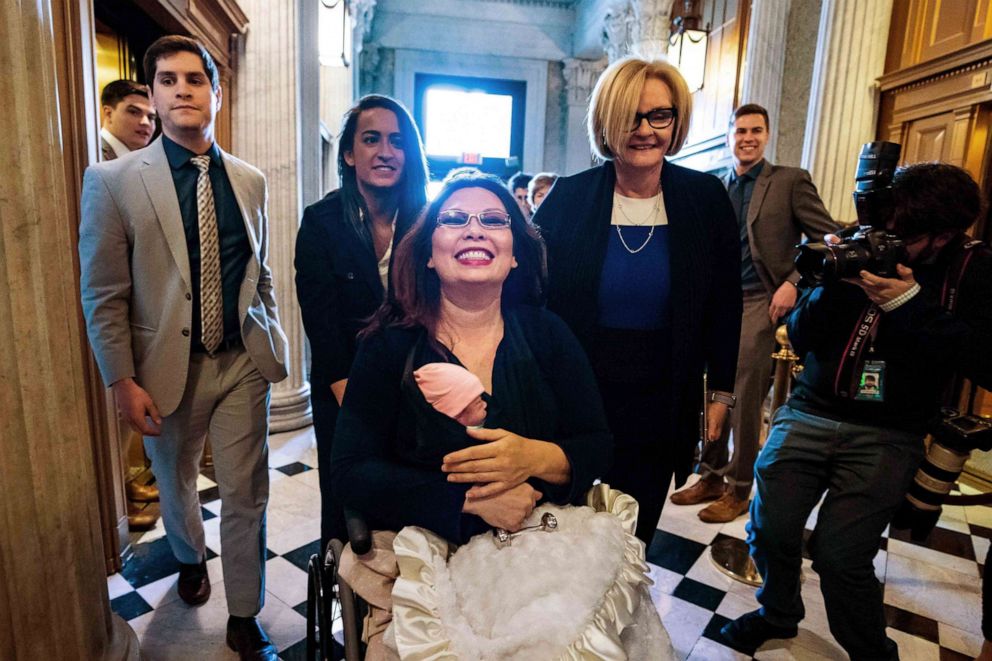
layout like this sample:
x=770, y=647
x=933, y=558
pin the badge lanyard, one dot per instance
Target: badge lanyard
x=866, y=383
x=861, y=377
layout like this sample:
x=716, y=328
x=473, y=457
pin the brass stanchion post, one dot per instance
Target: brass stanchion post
x=731, y=555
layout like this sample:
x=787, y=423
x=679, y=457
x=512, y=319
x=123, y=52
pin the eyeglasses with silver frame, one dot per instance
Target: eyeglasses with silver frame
x=490, y=219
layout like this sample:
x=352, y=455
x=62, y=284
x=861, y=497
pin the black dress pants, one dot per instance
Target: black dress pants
x=632, y=368
x=325, y=417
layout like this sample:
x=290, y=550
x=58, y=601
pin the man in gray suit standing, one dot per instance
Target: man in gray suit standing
x=775, y=206
x=182, y=319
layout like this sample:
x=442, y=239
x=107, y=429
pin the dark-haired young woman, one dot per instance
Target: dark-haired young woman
x=343, y=253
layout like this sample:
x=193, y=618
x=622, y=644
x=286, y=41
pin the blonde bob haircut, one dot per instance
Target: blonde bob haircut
x=615, y=99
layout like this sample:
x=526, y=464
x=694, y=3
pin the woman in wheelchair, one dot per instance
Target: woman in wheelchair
x=467, y=281
x=466, y=285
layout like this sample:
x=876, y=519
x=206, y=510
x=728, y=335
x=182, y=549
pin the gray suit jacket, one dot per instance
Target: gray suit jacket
x=135, y=280
x=784, y=206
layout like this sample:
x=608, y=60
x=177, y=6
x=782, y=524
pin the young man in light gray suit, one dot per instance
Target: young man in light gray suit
x=775, y=206
x=182, y=319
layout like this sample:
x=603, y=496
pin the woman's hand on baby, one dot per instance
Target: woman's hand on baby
x=501, y=462
x=508, y=509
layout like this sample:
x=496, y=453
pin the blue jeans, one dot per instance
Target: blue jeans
x=865, y=472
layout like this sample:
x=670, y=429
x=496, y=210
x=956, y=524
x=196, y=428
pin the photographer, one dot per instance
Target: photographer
x=879, y=353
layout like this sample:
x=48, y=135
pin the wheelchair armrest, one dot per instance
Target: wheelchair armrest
x=358, y=532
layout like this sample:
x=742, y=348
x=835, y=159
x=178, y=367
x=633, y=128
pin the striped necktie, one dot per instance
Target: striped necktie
x=211, y=296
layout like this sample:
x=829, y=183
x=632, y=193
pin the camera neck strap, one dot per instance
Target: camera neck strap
x=862, y=338
x=964, y=248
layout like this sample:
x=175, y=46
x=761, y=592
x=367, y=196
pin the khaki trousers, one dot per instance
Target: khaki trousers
x=754, y=368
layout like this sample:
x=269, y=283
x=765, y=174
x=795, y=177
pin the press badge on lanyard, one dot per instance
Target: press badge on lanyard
x=859, y=375
x=871, y=385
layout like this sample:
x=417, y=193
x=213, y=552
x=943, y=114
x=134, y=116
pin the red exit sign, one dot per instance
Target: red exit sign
x=471, y=159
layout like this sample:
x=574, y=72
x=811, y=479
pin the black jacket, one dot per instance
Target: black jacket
x=543, y=388
x=705, y=271
x=338, y=286
x=921, y=344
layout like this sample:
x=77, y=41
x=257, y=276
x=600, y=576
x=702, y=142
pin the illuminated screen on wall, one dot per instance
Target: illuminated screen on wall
x=470, y=121
x=458, y=122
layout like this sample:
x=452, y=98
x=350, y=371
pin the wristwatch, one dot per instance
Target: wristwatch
x=722, y=397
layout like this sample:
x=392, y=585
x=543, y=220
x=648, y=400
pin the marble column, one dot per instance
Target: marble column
x=651, y=27
x=765, y=61
x=367, y=76
x=843, y=103
x=618, y=29
x=580, y=78
x=267, y=134
x=53, y=587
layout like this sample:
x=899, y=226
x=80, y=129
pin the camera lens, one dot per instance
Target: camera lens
x=876, y=165
x=816, y=262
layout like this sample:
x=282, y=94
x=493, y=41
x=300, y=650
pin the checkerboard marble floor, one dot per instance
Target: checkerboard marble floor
x=932, y=592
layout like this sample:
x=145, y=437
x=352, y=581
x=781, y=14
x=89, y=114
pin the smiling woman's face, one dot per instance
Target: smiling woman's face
x=647, y=146
x=473, y=255
x=377, y=153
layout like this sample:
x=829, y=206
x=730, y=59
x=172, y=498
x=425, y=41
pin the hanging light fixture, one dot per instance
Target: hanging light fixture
x=688, y=42
x=335, y=33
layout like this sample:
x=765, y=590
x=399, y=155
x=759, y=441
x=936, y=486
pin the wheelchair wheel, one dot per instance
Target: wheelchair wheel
x=329, y=598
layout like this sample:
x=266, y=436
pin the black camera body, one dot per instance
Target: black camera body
x=955, y=436
x=871, y=248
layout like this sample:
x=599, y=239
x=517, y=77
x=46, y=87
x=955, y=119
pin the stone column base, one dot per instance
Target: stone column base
x=123, y=645
x=290, y=410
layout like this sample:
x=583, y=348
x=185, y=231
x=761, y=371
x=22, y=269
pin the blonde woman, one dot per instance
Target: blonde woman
x=539, y=187
x=644, y=266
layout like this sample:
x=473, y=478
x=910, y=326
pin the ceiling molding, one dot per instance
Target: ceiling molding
x=554, y=4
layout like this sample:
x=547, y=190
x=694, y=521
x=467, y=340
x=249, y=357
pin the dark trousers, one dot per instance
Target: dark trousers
x=325, y=417
x=645, y=475
x=642, y=462
x=865, y=472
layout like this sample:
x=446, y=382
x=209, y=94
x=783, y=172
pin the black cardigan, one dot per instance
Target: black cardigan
x=376, y=465
x=705, y=267
x=338, y=287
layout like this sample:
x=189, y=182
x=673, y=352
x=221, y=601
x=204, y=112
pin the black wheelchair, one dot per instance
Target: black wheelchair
x=329, y=598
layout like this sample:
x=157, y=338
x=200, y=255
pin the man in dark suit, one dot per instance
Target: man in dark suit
x=775, y=205
x=182, y=319
x=127, y=118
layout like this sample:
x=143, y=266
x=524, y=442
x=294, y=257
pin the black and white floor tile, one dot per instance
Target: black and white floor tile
x=932, y=591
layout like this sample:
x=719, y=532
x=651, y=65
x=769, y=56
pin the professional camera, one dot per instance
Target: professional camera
x=955, y=435
x=871, y=247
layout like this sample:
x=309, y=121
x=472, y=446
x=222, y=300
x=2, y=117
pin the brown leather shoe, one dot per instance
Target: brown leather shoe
x=727, y=508
x=141, y=493
x=140, y=519
x=194, y=584
x=247, y=637
x=700, y=492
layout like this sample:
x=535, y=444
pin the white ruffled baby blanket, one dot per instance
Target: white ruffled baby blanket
x=580, y=592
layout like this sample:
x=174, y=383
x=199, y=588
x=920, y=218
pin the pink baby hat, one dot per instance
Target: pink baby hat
x=448, y=388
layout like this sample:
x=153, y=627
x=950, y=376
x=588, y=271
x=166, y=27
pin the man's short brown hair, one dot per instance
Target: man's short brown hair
x=172, y=44
x=114, y=92
x=750, y=109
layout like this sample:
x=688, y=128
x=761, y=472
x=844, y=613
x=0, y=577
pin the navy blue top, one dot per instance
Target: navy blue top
x=740, y=190
x=231, y=234
x=634, y=290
